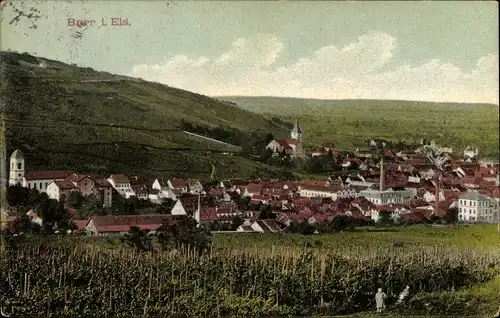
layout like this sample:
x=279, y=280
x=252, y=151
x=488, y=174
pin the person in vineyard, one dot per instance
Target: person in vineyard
x=404, y=295
x=380, y=298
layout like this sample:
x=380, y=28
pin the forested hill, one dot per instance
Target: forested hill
x=68, y=117
x=347, y=123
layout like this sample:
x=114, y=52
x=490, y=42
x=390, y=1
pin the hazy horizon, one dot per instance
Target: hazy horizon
x=415, y=51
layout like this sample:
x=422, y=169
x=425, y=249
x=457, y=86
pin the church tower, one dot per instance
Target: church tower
x=296, y=132
x=16, y=174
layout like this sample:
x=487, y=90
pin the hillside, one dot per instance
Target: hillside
x=66, y=117
x=348, y=122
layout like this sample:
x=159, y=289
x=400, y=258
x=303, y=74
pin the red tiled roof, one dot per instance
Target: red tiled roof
x=119, y=178
x=140, y=189
x=48, y=175
x=122, y=223
x=179, y=183
x=103, y=183
x=65, y=185
x=416, y=216
x=254, y=188
x=77, y=177
x=80, y=224
x=331, y=188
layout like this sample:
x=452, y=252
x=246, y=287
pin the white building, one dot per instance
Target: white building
x=16, y=172
x=38, y=180
x=293, y=146
x=58, y=188
x=178, y=209
x=164, y=191
x=388, y=196
x=121, y=184
x=311, y=191
x=469, y=152
x=192, y=186
x=475, y=207
x=333, y=192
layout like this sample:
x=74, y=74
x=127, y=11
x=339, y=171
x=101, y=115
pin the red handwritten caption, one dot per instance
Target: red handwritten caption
x=119, y=22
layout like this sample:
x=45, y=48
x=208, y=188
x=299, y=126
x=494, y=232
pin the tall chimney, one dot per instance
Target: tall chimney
x=381, y=187
x=197, y=213
x=436, y=195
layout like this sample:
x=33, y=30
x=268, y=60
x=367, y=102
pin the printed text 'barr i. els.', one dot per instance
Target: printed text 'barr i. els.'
x=102, y=22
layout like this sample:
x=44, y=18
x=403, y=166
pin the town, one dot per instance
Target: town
x=399, y=188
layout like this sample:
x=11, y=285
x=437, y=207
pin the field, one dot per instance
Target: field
x=66, y=117
x=451, y=271
x=347, y=123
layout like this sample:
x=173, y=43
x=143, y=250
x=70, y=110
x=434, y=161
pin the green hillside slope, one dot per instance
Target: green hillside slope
x=348, y=122
x=66, y=117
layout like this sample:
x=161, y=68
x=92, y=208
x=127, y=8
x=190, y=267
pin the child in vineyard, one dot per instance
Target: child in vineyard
x=380, y=298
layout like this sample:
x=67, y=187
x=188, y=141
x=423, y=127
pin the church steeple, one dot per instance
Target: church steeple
x=296, y=132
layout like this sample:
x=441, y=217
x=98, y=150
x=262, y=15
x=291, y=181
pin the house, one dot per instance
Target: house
x=192, y=186
x=117, y=225
x=153, y=196
x=84, y=183
x=294, y=146
x=57, y=189
x=121, y=184
x=164, y=190
x=259, y=226
x=253, y=189
x=34, y=218
x=476, y=207
x=178, y=209
x=310, y=191
x=40, y=180
x=387, y=196
x=469, y=152
x=104, y=192
x=227, y=184
x=141, y=191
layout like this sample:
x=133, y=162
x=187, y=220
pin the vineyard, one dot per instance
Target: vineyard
x=68, y=277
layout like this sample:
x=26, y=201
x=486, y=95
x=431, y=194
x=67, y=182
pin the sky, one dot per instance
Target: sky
x=425, y=50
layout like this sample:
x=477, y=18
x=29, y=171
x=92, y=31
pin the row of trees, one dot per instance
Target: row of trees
x=179, y=232
x=339, y=223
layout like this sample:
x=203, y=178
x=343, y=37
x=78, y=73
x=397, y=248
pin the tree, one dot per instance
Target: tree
x=138, y=239
x=451, y=216
x=314, y=165
x=183, y=231
x=342, y=223
x=210, y=183
x=385, y=219
x=24, y=224
x=235, y=223
x=53, y=214
x=166, y=206
x=17, y=195
x=304, y=228
x=89, y=206
x=76, y=199
x=266, y=212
